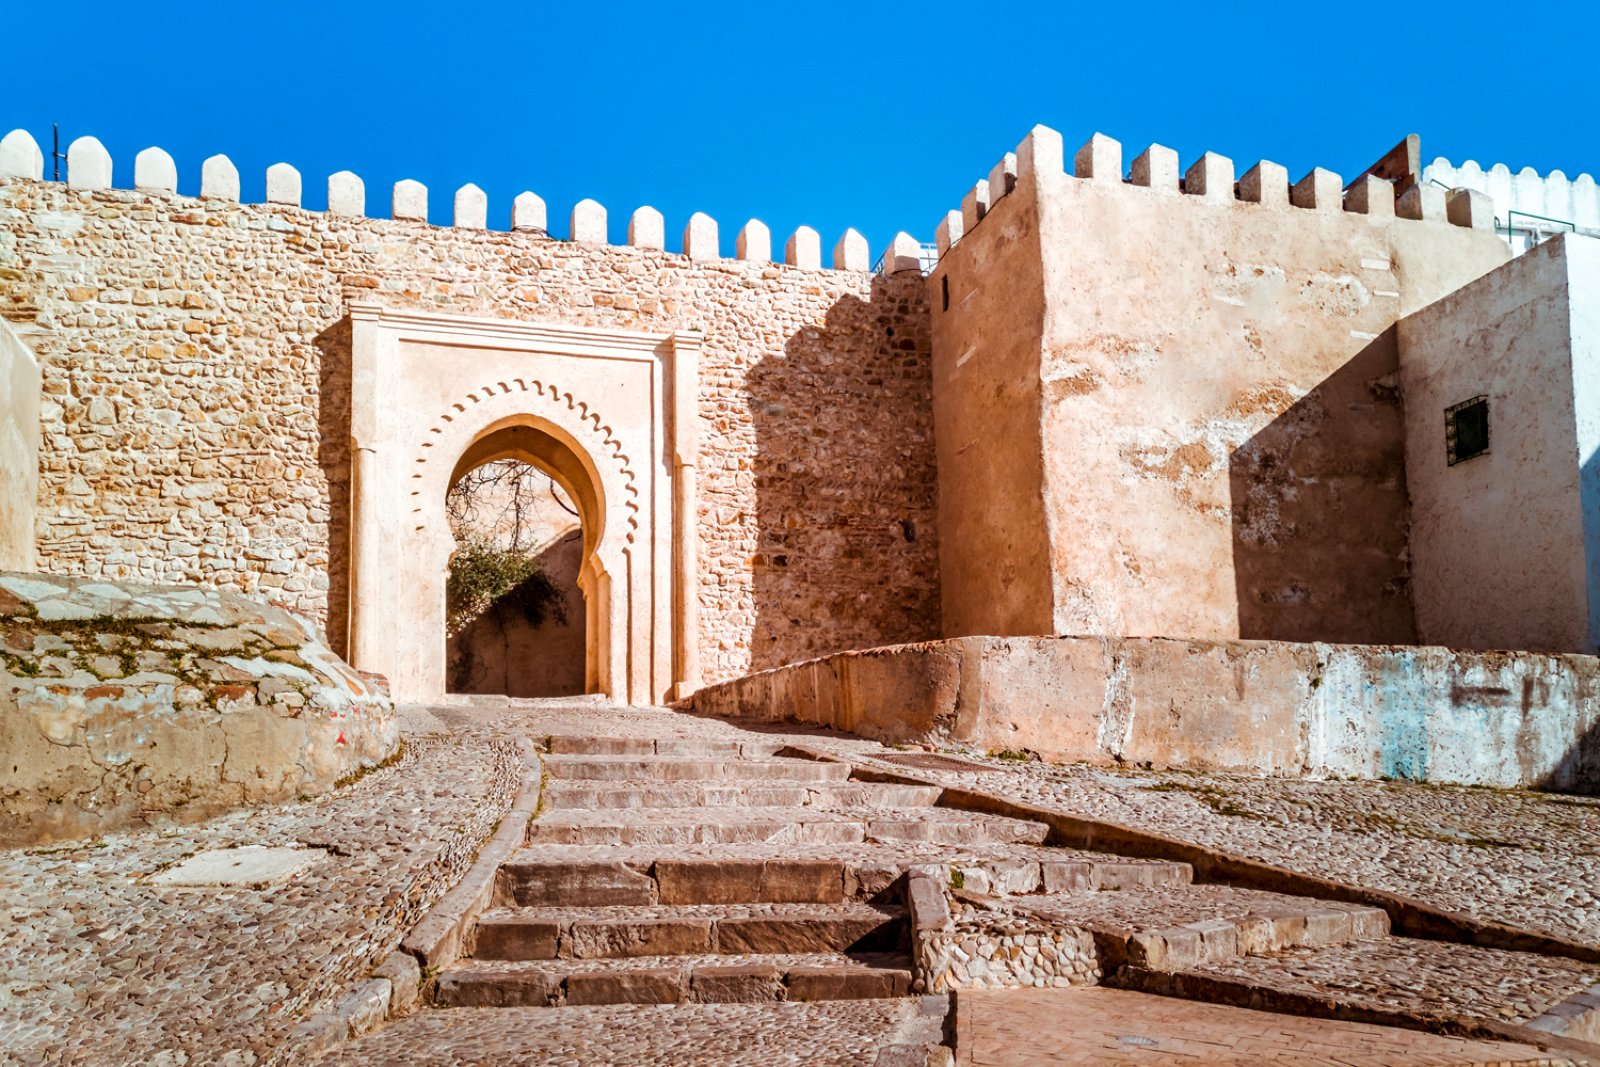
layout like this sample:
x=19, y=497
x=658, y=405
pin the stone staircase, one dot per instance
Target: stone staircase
x=668, y=871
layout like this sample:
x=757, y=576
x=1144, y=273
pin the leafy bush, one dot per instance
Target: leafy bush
x=482, y=574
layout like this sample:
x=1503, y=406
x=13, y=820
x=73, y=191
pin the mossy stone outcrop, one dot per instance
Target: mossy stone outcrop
x=125, y=704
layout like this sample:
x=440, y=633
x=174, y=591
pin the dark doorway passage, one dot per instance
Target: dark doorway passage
x=515, y=617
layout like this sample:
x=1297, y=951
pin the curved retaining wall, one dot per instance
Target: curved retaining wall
x=124, y=704
x=1506, y=719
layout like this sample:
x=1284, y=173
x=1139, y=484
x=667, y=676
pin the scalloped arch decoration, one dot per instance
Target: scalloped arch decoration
x=527, y=396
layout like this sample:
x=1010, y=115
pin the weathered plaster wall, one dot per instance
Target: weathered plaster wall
x=1219, y=411
x=19, y=450
x=196, y=406
x=1504, y=545
x=126, y=703
x=994, y=559
x=1279, y=708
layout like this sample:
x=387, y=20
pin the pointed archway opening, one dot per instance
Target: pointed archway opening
x=514, y=614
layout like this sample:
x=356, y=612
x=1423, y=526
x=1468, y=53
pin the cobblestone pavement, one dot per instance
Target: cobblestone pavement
x=1112, y=1028
x=1429, y=978
x=1520, y=857
x=98, y=966
x=840, y=1033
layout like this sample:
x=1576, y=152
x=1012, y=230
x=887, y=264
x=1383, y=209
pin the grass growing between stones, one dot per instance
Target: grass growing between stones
x=359, y=773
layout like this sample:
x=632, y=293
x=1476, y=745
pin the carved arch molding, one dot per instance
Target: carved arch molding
x=610, y=414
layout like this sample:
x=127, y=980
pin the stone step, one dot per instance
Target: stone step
x=674, y=980
x=568, y=793
x=604, y=875
x=666, y=826
x=695, y=929
x=693, y=748
x=673, y=768
x=1176, y=928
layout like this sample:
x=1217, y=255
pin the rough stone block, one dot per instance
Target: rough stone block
x=1156, y=168
x=219, y=179
x=846, y=983
x=471, y=208
x=1211, y=178
x=754, y=243
x=700, y=237
x=612, y=939
x=1371, y=196
x=736, y=984
x=588, y=222
x=949, y=232
x=283, y=185
x=1424, y=203
x=647, y=229
x=20, y=156
x=1067, y=877
x=1100, y=158
x=804, y=249
x=1266, y=184
x=517, y=939
x=750, y=882
x=347, y=194
x=410, y=200
x=1040, y=152
x=1470, y=208
x=975, y=205
x=478, y=987
x=649, y=986
x=551, y=884
x=1320, y=190
x=88, y=165
x=364, y=1008
x=851, y=252
x=155, y=172
x=528, y=213
x=405, y=981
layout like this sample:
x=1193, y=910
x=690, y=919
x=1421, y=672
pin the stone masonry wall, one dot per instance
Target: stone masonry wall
x=196, y=402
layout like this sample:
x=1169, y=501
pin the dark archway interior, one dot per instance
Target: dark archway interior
x=510, y=498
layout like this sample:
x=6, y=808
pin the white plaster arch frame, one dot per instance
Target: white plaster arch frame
x=427, y=387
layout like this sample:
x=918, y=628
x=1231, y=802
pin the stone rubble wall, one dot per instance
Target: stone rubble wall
x=1505, y=719
x=196, y=388
x=962, y=942
x=125, y=704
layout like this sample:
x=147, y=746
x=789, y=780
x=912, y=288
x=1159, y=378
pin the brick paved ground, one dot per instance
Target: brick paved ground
x=1112, y=1028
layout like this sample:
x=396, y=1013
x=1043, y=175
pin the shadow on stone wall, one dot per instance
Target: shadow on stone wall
x=501, y=652
x=846, y=554
x=1319, y=512
x=333, y=457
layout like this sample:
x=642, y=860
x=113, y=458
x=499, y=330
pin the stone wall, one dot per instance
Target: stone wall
x=19, y=450
x=196, y=403
x=1508, y=719
x=123, y=703
x=1212, y=385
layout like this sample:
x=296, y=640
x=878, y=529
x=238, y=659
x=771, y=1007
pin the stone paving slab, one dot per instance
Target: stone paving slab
x=1115, y=1028
x=852, y=1033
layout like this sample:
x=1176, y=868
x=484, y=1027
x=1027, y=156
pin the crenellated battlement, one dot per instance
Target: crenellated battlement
x=1211, y=179
x=1549, y=197
x=155, y=172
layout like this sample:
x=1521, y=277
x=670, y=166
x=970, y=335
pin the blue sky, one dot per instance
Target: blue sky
x=877, y=116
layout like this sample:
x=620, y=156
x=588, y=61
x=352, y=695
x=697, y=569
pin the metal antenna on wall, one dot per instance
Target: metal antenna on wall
x=55, y=148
